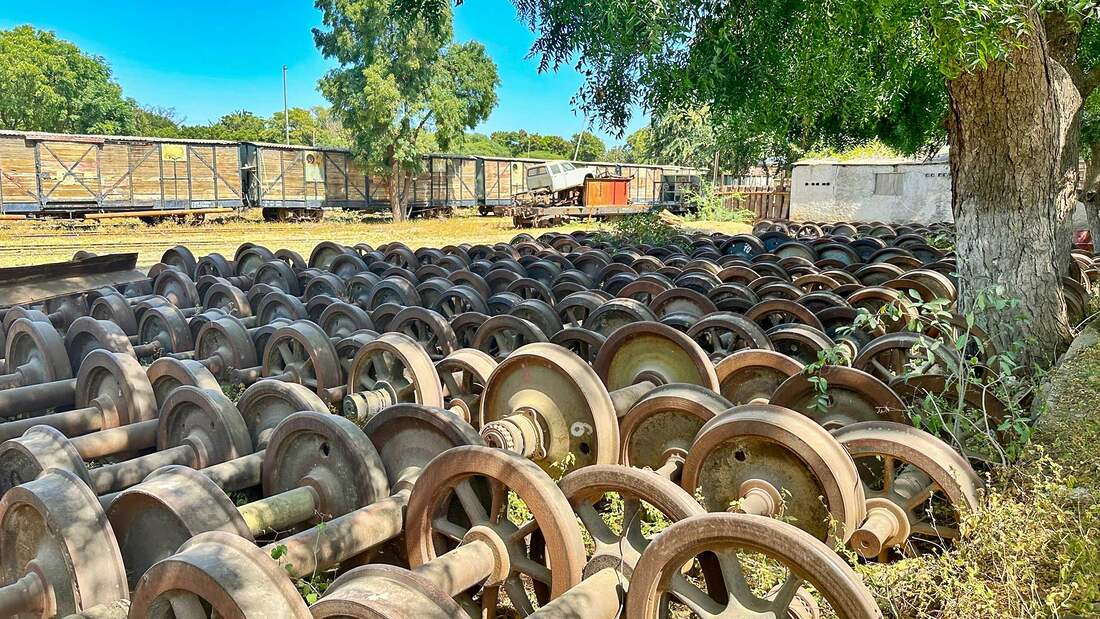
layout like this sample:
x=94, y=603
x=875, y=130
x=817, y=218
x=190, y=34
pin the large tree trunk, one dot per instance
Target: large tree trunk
x=396, y=182
x=1013, y=130
x=1090, y=196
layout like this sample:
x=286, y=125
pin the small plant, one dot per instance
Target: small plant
x=311, y=587
x=708, y=205
x=645, y=228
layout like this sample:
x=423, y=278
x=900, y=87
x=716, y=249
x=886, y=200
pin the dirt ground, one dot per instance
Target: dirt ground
x=37, y=242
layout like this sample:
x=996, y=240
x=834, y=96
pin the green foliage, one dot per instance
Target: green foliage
x=520, y=143
x=48, y=84
x=646, y=228
x=1069, y=429
x=400, y=75
x=708, y=205
x=639, y=147
x=590, y=147
x=873, y=149
x=997, y=430
x=542, y=154
x=1031, y=549
x=479, y=144
x=781, y=78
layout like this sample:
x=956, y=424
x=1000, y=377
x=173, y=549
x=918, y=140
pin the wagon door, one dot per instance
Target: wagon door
x=479, y=181
x=69, y=172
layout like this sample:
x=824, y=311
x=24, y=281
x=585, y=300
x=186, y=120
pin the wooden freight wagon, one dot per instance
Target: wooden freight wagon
x=349, y=186
x=448, y=181
x=58, y=174
x=500, y=179
x=284, y=179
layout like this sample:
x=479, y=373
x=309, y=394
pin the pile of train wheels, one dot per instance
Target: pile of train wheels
x=553, y=426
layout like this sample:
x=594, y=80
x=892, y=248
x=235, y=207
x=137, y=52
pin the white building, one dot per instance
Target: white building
x=888, y=190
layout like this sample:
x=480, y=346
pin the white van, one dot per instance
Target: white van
x=555, y=176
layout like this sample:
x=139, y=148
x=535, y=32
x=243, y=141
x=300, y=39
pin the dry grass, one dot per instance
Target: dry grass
x=36, y=242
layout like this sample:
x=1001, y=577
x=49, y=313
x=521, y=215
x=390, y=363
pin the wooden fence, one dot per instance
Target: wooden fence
x=764, y=202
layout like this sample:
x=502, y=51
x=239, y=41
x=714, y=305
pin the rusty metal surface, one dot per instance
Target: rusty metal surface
x=31, y=284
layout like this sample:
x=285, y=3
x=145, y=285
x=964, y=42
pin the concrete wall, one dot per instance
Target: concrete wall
x=846, y=192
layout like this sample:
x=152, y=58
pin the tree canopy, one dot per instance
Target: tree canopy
x=1001, y=82
x=400, y=75
x=48, y=84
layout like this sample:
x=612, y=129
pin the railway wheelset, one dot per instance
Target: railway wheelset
x=558, y=427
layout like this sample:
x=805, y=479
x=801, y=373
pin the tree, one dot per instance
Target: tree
x=591, y=147
x=156, y=122
x=1003, y=82
x=639, y=146
x=48, y=84
x=400, y=75
x=480, y=145
x=316, y=126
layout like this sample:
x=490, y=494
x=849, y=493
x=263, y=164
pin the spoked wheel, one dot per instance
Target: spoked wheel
x=617, y=507
x=428, y=328
x=916, y=487
x=465, y=326
x=724, y=333
x=900, y=355
x=501, y=335
x=449, y=509
x=464, y=374
x=734, y=542
x=388, y=370
x=580, y=341
x=302, y=353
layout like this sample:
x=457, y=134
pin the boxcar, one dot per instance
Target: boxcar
x=448, y=181
x=290, y=177
x=46, y=173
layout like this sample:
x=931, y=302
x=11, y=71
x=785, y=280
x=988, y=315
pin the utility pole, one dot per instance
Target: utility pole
x=577, y=150
x=286, y=110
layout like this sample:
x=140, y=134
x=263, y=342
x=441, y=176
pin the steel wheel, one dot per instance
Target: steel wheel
x=501, y=335
x=581, y=342
x=658, y=430
x=397, y=364
x=616, y=313
x=929, y=481
x=427, y=328
x=466, y=476
x=659, y=588
x=724, y=333
x=464, y=373
x=302, y=353
x=546, y=384
x=654, y=352
x=754, y=375
x=851, y=396
x=810, y=477
x=54, y=526
x=900, y=355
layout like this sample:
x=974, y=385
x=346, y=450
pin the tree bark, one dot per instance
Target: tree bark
x=396, y=182
x=1090, y=195
x=1013, y=129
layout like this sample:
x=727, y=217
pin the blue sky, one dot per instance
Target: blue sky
x=207, y=59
